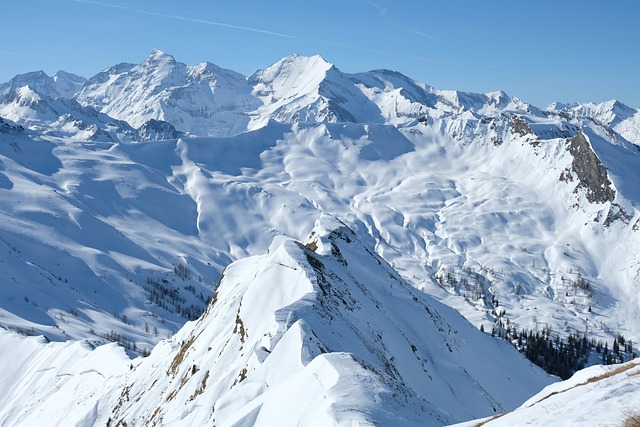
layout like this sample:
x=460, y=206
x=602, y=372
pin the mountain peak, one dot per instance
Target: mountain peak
x=37, y=80
x=158, y=56
x=314, y=59
x=293, y=67
x=65, y=75
x=610, y=113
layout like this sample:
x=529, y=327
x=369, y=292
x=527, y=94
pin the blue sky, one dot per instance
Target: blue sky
x=540, y=51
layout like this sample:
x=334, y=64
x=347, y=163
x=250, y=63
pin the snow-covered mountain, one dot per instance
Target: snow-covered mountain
x=203, y=99
x=322, y=334
x=60, y=85
x=309, y=90
x=484, y=160
x=516, y=216
x=44, y=104
x=614, y=114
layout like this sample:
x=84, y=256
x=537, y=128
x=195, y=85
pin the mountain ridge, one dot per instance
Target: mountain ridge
x=293, y=327
x=225, y=103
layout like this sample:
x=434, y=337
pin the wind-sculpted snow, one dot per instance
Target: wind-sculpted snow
x=475, y=198
x=55, y=383
x=322, y=334
x=441, y=209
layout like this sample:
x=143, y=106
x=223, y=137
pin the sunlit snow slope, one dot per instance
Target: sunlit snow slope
x=322, y=334
x=599, y=395
x=474, y=198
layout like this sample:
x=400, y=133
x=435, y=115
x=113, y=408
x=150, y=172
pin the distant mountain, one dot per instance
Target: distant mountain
x=62, y=117
x=617, y=116
x=154, y=130
x=62, y=84
x=68, y=84
x=327, y=330
x=202, y=99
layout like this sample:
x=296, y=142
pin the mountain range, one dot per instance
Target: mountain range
x=126, y=196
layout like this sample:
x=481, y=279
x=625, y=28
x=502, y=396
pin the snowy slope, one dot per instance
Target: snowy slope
x=55, y=383
x=69, y=270
x=496, y=214
x=68, y=84
x=472, y=197
x=326, y=334
x=595, y=396
x=301, y=89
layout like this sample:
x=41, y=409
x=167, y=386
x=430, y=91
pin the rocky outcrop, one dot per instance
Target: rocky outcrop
x=591, y=174
x=156, y=130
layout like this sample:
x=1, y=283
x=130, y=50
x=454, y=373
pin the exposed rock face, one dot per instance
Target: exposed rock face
x=7, y=126
x=520, y=126
x=591, y=173
x=155, y=130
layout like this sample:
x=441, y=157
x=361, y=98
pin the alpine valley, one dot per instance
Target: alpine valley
x=185, y=245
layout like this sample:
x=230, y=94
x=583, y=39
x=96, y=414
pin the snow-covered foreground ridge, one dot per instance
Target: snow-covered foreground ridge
x=325, y=333
x=598, y=396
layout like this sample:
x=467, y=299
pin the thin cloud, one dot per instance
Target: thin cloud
x=381, y=9
x=262, y=31
x=282, y=35
x=423, y=34
x=187, y=19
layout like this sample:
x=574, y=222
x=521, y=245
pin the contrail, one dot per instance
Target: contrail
x=187, y=19
x=260, y=31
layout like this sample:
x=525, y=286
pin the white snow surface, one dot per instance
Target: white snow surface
x=291, y=337
x=452, y=188
x=203, y=99
x=599, y=395
x=621, y=118
x=37, y=102
x=124, y=215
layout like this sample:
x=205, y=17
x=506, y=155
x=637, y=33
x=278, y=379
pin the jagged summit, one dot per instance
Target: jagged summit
x=609, y=113
x=207, y=100
x=157, y=55
x=37, y=81
x=613, y=114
